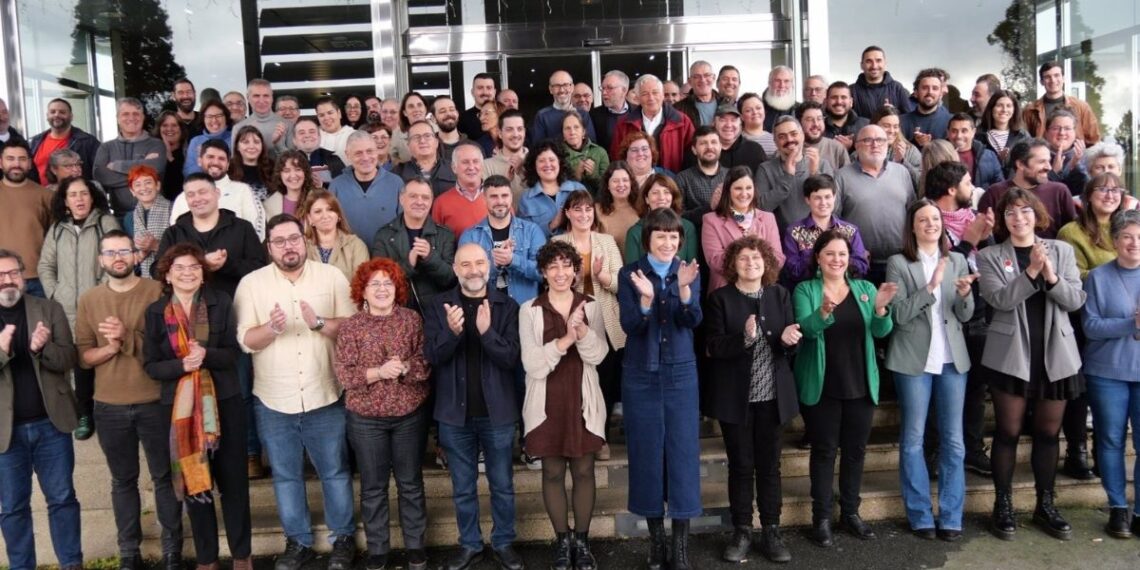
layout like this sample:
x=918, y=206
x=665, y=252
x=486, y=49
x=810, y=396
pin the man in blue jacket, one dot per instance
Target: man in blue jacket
x=473, y=347
x=981, y=162
x=509, y=242
x=875, y=86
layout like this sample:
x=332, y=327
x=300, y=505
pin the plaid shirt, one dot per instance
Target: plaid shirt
x=154, y=221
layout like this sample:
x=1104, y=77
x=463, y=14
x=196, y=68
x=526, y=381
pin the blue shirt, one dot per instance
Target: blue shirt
x=1110, y=351
x=539, y=209
x=522, y=274
x=367, y=212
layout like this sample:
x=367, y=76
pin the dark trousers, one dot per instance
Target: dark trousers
x=383, y=447
x=609, y=377
x=85, y=390
x=753, y=449
x=228, y=467
x=834, y=425
x=121, y=429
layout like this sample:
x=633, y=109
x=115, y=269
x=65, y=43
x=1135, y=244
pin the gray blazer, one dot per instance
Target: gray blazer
x=1007, y=342
x=52, y=366
x=912, y=309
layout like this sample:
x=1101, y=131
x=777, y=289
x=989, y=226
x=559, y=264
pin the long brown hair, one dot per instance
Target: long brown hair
x=330, y=199
x=264, y=165
x=1087, y=218
x=910, y=241
x=300, y=161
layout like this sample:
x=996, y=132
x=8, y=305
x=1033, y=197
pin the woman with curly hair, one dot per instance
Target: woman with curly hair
x=380, y=362
x=548, y=184
x=290, y=185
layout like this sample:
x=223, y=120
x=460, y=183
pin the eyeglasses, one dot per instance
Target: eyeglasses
x=421, y=138
x=639, y=149
x=217, y=116
x=561, y=85
x=1109, y=189
x=13, y=275
x=280, y=242
x=1024, y=211
x=113, y=253
x=78, y=164
x=877, y=141
x=381, y=285
x=179, y=268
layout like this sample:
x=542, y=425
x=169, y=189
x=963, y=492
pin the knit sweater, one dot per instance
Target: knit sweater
x=1088, y=255
x=368, y=341
x=1109, y=324
x=27, y=212
x=122, y=379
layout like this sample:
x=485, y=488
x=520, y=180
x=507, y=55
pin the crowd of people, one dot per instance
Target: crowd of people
x=245, y=288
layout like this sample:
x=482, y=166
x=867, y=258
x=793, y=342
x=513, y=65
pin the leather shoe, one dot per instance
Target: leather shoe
x=253, y=467
x=1118, y=523
x=85, y=430
x=924, y=533
x=854, y=524
x=821, y=533
x=174, y=562
x=130, y=562
x=242, y=563
x=509, y=559
x=949, y=535
x=464, y=559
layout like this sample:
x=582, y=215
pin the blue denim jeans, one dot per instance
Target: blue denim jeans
x=320, y=433
x=1114, y=403
x=949, y=391
x=37, y=446
x=662, y=426
x=462, y=444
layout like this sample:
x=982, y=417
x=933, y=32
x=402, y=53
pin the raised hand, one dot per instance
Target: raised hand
x=40, y=337
x=981, y=228
x=812, y=156
x=962, y=284
x=899, y=147
x=750, y=328
x=421, y=248
x=483, y=317
x=216, y=259
x=277, y=319
x=6, y=335
x=1037, y=258
x=687, y=273
x=642, y=284
x=392, y=369
x=939, y=272
x=454, y=318
x=308, y=314
x=884, y=295
x=112, y=329
x=503, y=254
x=791, y=335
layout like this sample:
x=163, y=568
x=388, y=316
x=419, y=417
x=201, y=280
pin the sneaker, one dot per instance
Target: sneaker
x=482, y=463
x=441, y=458
x=343, y=553
x=532, y=463
x=417, y=559
x=376, y=562
x=295, y=556
x=86, y=428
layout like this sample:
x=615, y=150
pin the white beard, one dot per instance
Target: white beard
x=780, y=102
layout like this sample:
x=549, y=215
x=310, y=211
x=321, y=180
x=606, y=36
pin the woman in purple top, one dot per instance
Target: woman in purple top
x=799, y=238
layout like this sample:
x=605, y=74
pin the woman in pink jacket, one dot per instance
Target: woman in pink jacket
x=737, y=214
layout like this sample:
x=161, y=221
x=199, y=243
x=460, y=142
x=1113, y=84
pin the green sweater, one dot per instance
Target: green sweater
x=811, y=358
x=1088, y=255
x=594, y=152
x=689, y=245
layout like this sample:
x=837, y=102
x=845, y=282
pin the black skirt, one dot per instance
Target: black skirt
x=1037, y=388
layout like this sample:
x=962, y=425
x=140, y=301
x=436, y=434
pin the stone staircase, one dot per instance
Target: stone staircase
x=881, y=497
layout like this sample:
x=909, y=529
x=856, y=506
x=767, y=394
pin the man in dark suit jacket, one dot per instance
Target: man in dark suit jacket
x=38, y=412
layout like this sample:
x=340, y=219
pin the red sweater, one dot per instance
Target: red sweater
x=456, y=212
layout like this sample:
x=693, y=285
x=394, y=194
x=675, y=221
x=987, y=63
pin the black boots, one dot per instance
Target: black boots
x=1118, y=523
x=1047, y=517
x=1077, y=462
x=737, y=549
x=772, y=544
x=1002, y=524
x=656, y=560
x=680, y=552
x=821, y=532
x=561, y=545
x=583, y=558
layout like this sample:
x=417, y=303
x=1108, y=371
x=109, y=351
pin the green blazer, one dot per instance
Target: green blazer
x=811, y=359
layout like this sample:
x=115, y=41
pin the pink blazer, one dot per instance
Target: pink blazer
x=717, y=232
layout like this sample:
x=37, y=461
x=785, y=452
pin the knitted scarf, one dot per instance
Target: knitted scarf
x=195, y=429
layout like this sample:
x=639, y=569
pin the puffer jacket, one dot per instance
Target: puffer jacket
x=69, y=261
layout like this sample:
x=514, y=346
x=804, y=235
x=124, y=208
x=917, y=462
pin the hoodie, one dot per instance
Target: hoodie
x=114, y=161
x=868, y=97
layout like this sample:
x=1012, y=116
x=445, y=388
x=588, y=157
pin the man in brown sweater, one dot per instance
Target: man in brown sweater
x=109, y=331
x=27, y=211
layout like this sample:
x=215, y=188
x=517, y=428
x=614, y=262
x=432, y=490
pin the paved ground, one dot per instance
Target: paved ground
x=895, y=549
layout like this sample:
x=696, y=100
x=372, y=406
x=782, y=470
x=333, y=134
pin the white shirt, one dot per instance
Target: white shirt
x=337, y=142
x=650, y=125
x=294, y=373
x=939, y=343
x=237, y=197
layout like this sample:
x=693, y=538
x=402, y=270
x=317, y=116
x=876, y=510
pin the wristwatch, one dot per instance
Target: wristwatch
x=320, y=324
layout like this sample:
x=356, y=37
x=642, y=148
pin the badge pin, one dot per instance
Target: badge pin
x=864, y=297
x=1008, y=265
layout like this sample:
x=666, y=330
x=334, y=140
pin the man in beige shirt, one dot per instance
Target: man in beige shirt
x=288, y=314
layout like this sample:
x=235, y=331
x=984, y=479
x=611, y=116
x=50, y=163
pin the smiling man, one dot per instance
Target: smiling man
x=779, y=179
x=875, y=87
x=780, y=95
x=1052, y=76
x=237, y=197
x=185, y=100
x=115, y=158
x=700, y=105
x=27, y=206
x=548, y=121
x=61, y=134
x=482, y=91
x=1031, y=172
x=273, y=128
x=928, y=120
x=425, y=250
x=368, y=194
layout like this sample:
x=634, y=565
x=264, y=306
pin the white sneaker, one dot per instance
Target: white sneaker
x=532, y=463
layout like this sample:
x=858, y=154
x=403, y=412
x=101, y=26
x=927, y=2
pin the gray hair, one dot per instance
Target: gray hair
x=787, y=119
x=131, y=101
x=285, y=98
x=1121, y=220
x=819, y=78
x=465, y=143
x=620, y=75
x=645, y=79
x=62, y=155
x=9, y=254
x=358, y=136
x=778, y=69
x=1109, y=149
x=694, y=65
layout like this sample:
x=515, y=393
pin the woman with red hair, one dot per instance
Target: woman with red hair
x=151, y=216
x=380, y=362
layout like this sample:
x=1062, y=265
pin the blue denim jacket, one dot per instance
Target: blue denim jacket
x=540, y=210
x=664, y=335
x=523, y=276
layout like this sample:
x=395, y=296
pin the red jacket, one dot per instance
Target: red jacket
x=673, y=137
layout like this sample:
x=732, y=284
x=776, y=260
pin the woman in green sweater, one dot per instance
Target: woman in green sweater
x=837, y=378
x=659, y=191
x=587, y=160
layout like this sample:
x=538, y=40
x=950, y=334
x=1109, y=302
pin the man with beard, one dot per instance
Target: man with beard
x=728, y=82
x=59, y=135
x=325, y=164
x=582, y=97
x=7, y=131
x=810, y=115
x=425, y=250
x=1031, y=164
x=700, y=105
x=372, y=105
x=288, y=314
x=115, y=158
x=508, y=98
x=368, y=194
x=463, y=206
x=473, y=348
x=874, y=193
x=447, y=119
x=185, y=100
x=235, y=102
x=1036, y=114
x=426, y=159
x=511, y=158
x=840, y=121
x=875, y=87
x=815, y=89
x=780, y=179
x=37, y=415
x=482, y=91
x=271, y=125
x=982, y=163
x=109, y=324
x=701, y=184
x=510, y=242
x=735, y=149
x=615, y=86
x=548, y=121
x=671, y=128
x=779, y=97
x=334, y=135
x=672, y=92
x=237, y=197
x=929, y=119
x=27, y=209
x=985, y=87
x=288, y=108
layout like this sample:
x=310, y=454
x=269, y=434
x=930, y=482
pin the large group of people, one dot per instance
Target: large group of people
x=244, y=289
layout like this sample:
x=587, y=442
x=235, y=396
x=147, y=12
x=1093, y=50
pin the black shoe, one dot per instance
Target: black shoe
x=1049, y=519
x=821, y=533
x=417, y=559
x=1118, y=523
x=948, y=535
x=1135, y=525
x=464, y=559
x=1077, y=463
x=583, y=558
x=772, y=545
x=854, y=524
x=737, y=549
x=294, y=557
x=680, y=552
x=130, y=561
x=1002, y=523
x=171, y=562
x=561, y=551
x=376, y=562
x=804, y=443
x=656, y=559
x=509, y=559
x=979, y=463
x=343, y=553
x=924, y=533
x=85, y=430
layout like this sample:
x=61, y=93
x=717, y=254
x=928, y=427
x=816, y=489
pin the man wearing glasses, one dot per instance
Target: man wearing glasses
x=875, y=192
x=109, y=326
x=61, y=134
x=288, y=314
x=548, y=120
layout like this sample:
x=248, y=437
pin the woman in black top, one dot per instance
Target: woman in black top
x=751, y=333
x=250, y=162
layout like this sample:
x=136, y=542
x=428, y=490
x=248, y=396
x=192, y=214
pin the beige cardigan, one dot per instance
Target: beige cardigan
x=348, y=254
x=539, y=360
x=605, y=246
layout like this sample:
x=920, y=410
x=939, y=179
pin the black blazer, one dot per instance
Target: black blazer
x=222, y=349
x=726, y=392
